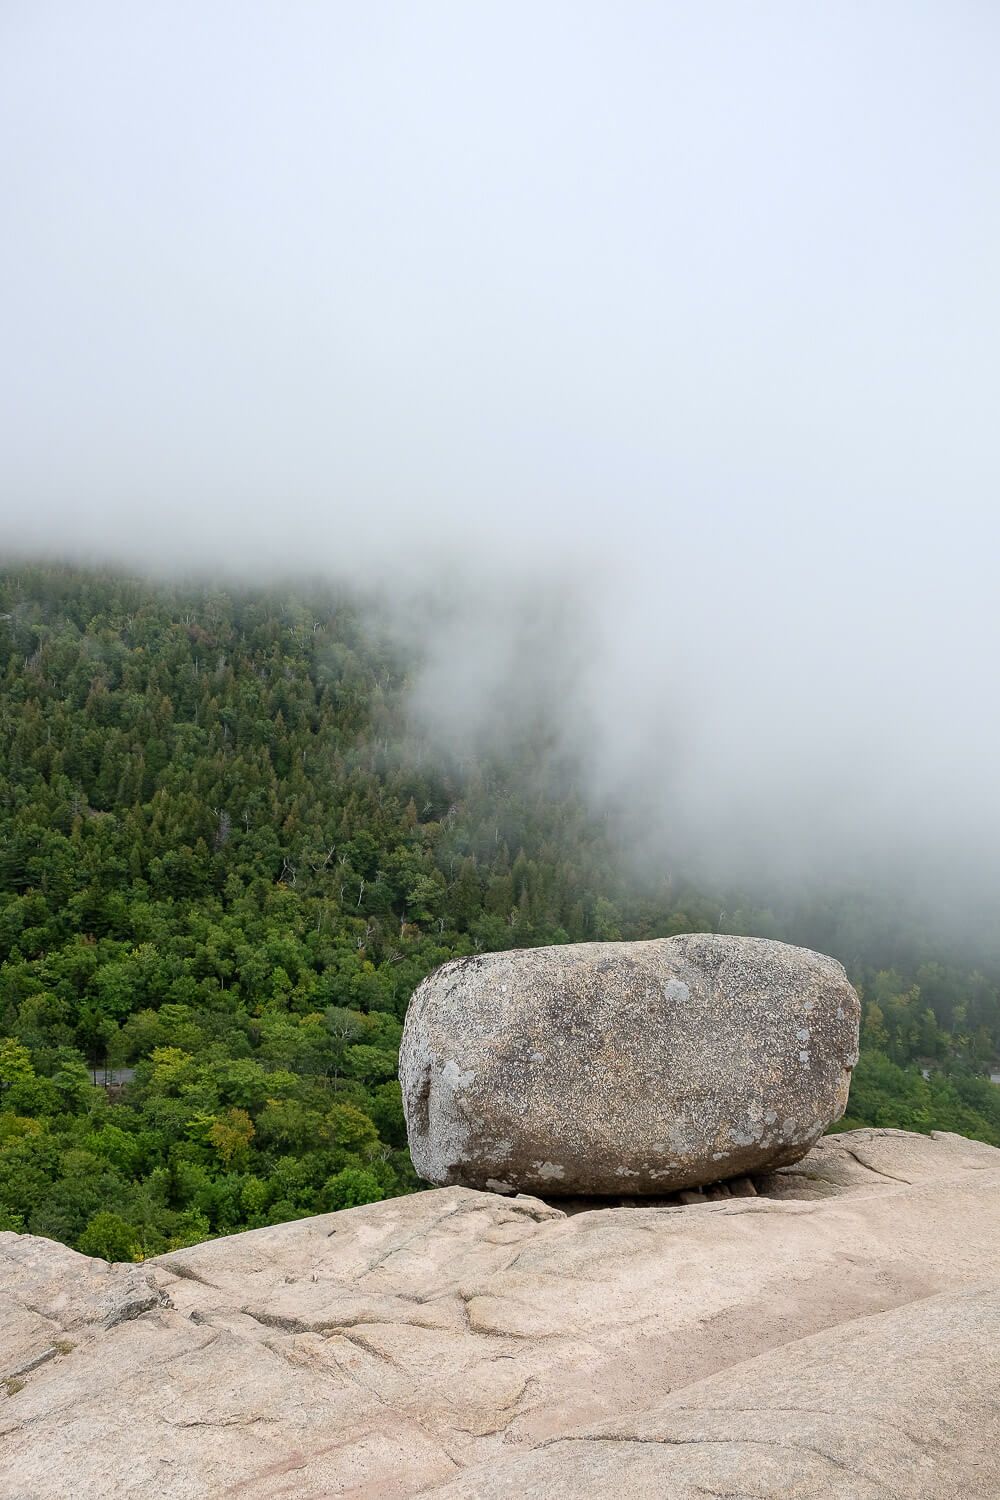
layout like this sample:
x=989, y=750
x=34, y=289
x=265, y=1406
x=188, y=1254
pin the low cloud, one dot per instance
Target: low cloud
x=644, y=361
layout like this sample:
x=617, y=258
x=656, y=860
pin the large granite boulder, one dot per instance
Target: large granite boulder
x=841, y=1341
x=633, y=1069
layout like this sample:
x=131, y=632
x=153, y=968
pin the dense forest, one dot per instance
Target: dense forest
x=226, y=860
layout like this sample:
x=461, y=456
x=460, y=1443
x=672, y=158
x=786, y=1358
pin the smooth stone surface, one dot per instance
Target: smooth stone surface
x=456, y=1344
x=816, y=1419
x=625, y=1068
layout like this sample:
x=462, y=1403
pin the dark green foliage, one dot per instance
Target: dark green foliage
x=883, y=1093
x=225, y=862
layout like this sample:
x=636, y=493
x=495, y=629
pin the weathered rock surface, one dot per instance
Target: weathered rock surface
x=840, y=1340
x=625, y=1068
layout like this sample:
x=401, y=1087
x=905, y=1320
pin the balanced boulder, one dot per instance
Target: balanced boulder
x=625, y=1069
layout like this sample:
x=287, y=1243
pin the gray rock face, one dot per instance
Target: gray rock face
x=633, y=1069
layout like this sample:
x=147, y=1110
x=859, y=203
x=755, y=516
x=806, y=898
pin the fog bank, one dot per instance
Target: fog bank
x=645, y=356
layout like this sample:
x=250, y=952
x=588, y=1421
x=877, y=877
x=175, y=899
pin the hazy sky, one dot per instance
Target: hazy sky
x=692, y=310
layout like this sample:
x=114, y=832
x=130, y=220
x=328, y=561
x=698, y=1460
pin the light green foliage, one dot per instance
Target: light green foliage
x=111, y=1237
x=225, y=864
x=350, y=1188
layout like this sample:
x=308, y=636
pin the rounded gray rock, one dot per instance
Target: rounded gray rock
x=632, y=1069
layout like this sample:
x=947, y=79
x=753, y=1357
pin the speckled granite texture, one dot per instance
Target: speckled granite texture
x=631, y=1069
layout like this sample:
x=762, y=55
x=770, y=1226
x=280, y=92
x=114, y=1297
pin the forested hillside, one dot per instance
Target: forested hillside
x=226, y=859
